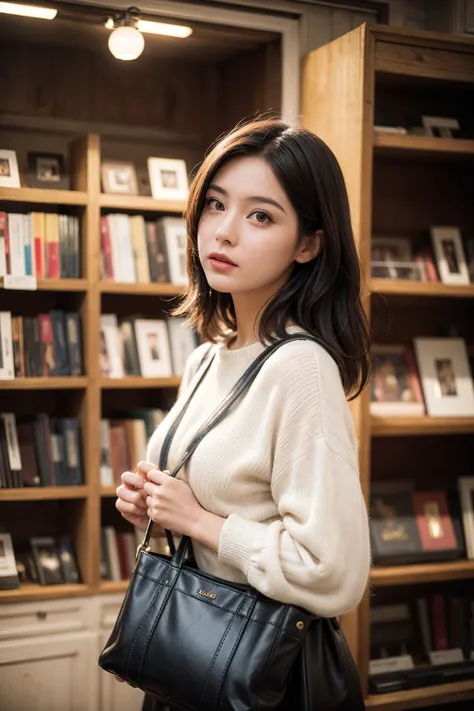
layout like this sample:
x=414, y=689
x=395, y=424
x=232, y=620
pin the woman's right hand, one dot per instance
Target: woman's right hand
x=131, y=501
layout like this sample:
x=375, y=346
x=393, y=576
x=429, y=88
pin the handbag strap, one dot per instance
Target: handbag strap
x=214, y=418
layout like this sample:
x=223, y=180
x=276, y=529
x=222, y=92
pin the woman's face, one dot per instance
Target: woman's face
x=248, y=219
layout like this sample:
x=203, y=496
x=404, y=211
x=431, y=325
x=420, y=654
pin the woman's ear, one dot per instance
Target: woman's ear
x=310, y=247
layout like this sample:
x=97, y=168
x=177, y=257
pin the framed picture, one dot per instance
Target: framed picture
x=9, y=175
x=183, y=340
x=8, y=571
x=394, y=386
x=67, y=559
x=392, y=258
x=449, y=253
x=445, y=376
x=48, y=565
x=172, y=230
x=47, y=170
x=168, y=178
x=119, y=178
x=439, y=126
x=466, y=496
x=153, y=348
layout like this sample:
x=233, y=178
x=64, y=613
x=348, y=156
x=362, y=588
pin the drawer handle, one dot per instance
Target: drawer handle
x=41, y=615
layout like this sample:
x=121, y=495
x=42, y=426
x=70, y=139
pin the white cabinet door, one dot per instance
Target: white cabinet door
x=49, y=673
x=116, y=695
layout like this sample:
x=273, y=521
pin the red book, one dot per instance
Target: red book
x=434, y=521
x=106, y=246
x=438, y=618
x=4, y=231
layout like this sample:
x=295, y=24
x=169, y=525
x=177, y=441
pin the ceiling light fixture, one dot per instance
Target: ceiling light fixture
x=40, y=13
x=155, y=28
x=126, y=41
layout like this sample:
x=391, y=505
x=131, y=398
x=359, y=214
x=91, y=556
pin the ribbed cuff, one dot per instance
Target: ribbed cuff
x=237, y=541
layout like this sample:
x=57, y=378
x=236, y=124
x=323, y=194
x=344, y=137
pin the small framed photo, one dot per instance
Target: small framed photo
x=9, y=175
x=153, y=348
x=48, y=565
x=47, y=170
x=168, y=178
x=173, y=232
x=394, y=385
x=439, y=126
x=8, y=568
x=449, y=253
x=67, y=559
x=119, y=178
x=445, y=376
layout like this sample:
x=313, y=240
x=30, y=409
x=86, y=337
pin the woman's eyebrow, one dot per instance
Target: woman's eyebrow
x=251, y=198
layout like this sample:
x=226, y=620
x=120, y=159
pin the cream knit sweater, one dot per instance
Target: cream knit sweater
x=282, y=469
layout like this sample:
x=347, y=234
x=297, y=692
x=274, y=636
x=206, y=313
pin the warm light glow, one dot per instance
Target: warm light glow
x=157, y=28
x=161, y=28
x=41, y=13
x=126, y=43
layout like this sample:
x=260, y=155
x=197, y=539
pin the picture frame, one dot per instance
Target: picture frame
x=439, y=126
x=449, y=255
x=174, y=236
x=9, y=579
x=445, y=376
x=168, y=178
x=392, y=258
x=47, y=170
x=48, y=565
x=466, y=497
x=153, y=348
x=9, y=173
x=119, y=178
x=395, y=388
x=183, y=340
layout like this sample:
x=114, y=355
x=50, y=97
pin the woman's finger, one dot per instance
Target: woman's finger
x=144, y=467
x=132, y=480
x=128, y=508
x=131, y=495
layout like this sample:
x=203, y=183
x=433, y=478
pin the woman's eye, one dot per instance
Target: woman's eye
x=262, y=217
x=214, y=203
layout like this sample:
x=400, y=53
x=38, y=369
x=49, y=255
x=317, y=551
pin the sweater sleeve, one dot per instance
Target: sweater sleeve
x=317, y=553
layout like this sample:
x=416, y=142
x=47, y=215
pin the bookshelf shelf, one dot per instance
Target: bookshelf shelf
x=43, y=493
x=41, y=196
x=404, y=287
x=140, y=203
x=107, y=587
x=113, y=287
x=416, y=698
x=30, y=592
x=131, y=382
x=66, y=382
x=57, y=285
x=419, y=426
x=108, y=491
x=422, y=573
x=423, y=144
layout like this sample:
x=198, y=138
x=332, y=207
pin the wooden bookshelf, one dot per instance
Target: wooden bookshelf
x=63, y=382
x=419, y=426
x=422, y=573
x=29, y=592
x=133, y=382
x=141, y=203
x=107, y=587
x=422, y=144
x=43, y=493
x=153, y=289
x=56, y=284
x=404, y=287
x=41, y=196
x=417, y=698
x=401, y=185
x=108, y=491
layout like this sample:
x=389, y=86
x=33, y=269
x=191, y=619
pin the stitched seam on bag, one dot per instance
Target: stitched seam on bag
x=232, y=654
x=265, y=666
x=140, y=629
x=216, y=654
x=157, y=619
x=344, y=665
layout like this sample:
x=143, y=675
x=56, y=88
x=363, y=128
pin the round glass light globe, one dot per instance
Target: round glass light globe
x=126, y=43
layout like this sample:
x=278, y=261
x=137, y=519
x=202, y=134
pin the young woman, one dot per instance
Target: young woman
x=271, y=496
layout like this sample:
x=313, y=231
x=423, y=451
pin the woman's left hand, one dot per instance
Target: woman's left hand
x=171, y=503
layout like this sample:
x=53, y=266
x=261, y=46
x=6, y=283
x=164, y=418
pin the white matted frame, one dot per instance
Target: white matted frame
x=168, y=178
x=445, y=376
x=153, y=348
x=288, y=27
x=9, y=175
x=449, y=253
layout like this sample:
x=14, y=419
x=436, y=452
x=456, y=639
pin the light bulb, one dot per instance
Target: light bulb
x=126, y=43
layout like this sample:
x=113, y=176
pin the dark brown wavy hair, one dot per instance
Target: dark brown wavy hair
x=321, y=296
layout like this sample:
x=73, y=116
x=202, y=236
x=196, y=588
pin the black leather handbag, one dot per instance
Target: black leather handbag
x=201, y=643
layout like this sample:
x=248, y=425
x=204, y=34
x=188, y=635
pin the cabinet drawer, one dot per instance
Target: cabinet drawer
x=429, y=62
x=109, y=611
x=39, y=618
